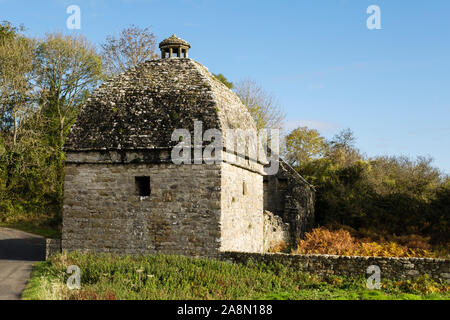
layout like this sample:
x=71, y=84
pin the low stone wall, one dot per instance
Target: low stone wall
x=391, y=268
x=52, y=246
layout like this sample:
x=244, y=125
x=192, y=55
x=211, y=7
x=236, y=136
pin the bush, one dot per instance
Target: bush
x=341, y=242
x=388, y=195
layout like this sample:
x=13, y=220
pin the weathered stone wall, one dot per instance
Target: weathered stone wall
x=291, y=197
x=275, y=191
x=275, y=231
x=52, y=246
x=391, y=268
x=103, y=212
x=242, y=221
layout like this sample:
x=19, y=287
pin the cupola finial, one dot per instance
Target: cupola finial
x=174, y=46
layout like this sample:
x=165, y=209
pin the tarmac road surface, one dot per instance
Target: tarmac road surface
x=18, y=252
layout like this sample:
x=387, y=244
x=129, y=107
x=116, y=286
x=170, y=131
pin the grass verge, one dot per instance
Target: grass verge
x=42, y=225
x=110, y=277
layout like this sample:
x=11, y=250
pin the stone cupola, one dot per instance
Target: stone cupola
x=174, y=46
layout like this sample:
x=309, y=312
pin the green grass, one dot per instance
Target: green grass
x=47, y=225
x=176, y=277
x=40, y=230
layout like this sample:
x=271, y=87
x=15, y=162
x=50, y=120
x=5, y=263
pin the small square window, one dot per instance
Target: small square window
x=142, y=186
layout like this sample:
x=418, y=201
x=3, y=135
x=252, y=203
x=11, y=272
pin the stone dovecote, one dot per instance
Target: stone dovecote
x=124, y=194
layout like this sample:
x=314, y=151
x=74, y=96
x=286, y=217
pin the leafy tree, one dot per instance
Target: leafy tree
x=16, y=85
x=28, y=177
x=224, y=80
x=341, y=148
x=7, y=30
x=380, y=196
x=131, y=47
x=68, y=68
x=304, y=145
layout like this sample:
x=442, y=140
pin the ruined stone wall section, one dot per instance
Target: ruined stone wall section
x=242, y=221
x=291, y=197
x=275, y=231
x=52, y=247
x=299, y=202
x=103, y=212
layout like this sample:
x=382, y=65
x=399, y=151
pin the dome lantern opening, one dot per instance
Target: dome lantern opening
x=174, y=47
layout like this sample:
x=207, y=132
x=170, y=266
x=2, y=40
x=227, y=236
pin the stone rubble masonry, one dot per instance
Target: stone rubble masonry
x=291, y=197
x=275, y=231
x=140, y=108
x=323, y=265
x=242, y=221
x=192, y=209
x=52, y=246
x=103, y=212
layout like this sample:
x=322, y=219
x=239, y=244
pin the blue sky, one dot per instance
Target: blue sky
x=317, y=57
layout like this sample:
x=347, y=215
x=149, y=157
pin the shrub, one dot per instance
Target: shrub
x=341, y=242
x=280, y=247
x=324, y=241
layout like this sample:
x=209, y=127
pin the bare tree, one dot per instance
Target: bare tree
x=132, y=46
x=263, y=107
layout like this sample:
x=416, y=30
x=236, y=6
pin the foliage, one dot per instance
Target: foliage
x=155, y=277
x=281, y=246
x=132, y=46
x=341, y=242
x=304, y=145
x=224, y=80
x=68, y=69
x=387, y=195
x=43, y=84
x=8, y=31
x=261, y=105
x=40, y=224
x=16, y=83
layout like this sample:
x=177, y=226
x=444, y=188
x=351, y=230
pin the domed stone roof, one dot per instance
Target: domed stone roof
x=140, y=109
x=173, y=40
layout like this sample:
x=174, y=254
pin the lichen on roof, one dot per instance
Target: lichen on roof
x=140, y=109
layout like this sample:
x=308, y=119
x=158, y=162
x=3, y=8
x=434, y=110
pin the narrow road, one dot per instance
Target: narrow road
x=18, y=251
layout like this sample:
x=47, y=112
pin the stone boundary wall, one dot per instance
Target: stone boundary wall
x=52, y=246
x=391, y=268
